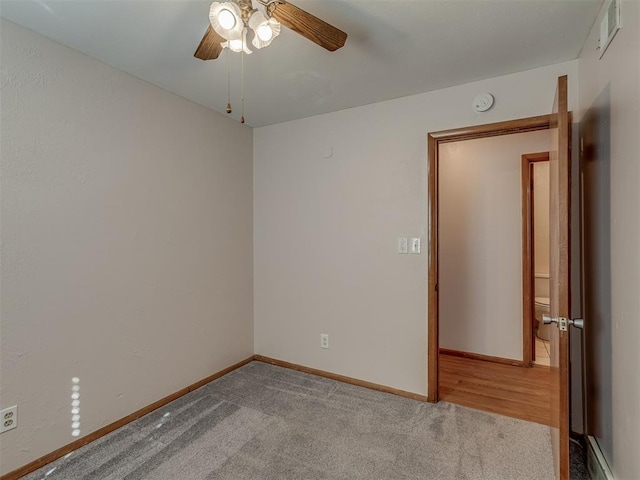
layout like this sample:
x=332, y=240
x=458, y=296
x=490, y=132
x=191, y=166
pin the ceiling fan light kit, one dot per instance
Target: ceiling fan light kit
x=226, y=20
x=265, y=29
x=238, y=45
x=231, y=20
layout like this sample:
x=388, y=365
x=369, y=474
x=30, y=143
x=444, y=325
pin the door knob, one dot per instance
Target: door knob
x=578, y=323
x=563, y=322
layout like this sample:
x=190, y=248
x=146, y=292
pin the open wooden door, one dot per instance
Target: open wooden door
x=559, y=268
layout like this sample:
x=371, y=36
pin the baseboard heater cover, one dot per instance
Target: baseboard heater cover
x=596, y=463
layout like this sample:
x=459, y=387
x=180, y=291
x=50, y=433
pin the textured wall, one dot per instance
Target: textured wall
x=326, y=229
x=480, y=267
x=126, y=242
x=611, y=86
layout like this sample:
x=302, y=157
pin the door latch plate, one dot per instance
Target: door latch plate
x=563, y=324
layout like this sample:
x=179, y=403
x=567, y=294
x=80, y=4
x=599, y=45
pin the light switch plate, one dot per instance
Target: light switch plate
x=415, y=245
x=402, y=245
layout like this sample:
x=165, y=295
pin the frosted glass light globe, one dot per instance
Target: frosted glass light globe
x=235, y=45
x=265, y=32
x=226, y=19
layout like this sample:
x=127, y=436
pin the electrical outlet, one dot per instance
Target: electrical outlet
x=324, y=340
x=8, y=418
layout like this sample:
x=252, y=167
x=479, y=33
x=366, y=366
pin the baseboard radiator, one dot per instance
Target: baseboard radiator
x=596, y=463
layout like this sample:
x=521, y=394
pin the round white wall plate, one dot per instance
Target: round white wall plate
x=483, y=102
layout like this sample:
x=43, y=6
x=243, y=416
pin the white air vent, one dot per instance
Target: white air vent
x=609, y=26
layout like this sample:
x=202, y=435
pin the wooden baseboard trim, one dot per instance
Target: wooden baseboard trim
x=81, y=442
x=485, y=358
x=340, y=378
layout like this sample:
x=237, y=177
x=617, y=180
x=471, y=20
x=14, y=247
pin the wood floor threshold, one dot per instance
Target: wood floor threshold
x=471, y=385
x=341, y=378
x=81, y=442
x=473, y=397
x=509, y=390
x=479, y=356
x=524, y=385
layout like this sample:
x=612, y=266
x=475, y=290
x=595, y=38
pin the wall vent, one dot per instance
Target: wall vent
x=609, y=26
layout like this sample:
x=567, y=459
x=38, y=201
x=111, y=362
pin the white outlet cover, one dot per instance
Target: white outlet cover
x=8, y=418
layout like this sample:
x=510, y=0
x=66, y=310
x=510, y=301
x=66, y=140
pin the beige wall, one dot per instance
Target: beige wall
x=619, y=72
x=541, y=217
x=326, y=229
x=126, y=242
x=126, y=235
x=480, y=222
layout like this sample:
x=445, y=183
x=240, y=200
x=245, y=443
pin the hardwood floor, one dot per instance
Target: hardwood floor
x=504, y=389
x=543, y=356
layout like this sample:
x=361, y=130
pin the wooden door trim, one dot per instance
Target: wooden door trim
x=562, y=122
x=528, y=266
x=434, y=139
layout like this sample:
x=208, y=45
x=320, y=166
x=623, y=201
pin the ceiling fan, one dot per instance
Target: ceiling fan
x=229, y=21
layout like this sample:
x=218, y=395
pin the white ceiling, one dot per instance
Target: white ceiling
x=395, y=48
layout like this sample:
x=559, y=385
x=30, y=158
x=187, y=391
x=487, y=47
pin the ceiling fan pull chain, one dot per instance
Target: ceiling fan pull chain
x=229, y=110
x=242, y=82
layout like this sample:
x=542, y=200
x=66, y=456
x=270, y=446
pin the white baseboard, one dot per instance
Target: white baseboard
x=596, y=463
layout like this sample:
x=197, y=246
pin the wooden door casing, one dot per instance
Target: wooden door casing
x=560, y=288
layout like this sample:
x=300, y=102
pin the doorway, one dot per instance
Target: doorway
x=559, y=125
x=486, y=326
x=435, y=141
x=535, y=258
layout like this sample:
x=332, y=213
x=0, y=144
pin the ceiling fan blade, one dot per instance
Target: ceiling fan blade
x=309, y=26
x=209, y=47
